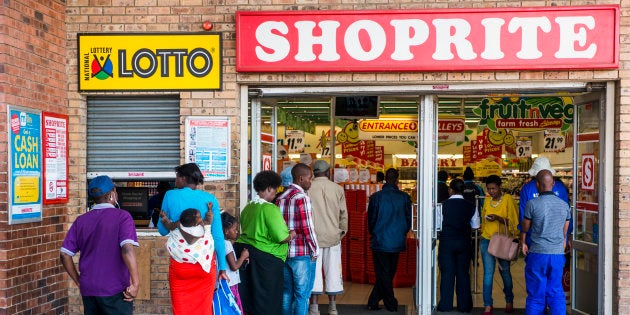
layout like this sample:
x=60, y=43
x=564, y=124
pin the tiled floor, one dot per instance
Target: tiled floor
x=358, y=293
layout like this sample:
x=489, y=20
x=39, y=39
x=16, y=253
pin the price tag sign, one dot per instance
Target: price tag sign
x=524, y=147
x=554, y=141
x=295, y=141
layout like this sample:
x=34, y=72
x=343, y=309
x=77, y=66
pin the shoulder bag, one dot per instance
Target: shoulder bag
x=503, y=245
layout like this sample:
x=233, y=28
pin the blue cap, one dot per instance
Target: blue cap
x=287, y=178
x=100, y=185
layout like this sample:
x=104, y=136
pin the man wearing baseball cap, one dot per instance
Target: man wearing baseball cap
x=330, y=218
x=108, y=273
x=530, y=191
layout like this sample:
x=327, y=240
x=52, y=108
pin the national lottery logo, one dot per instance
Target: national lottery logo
x=102, y=67
x=97, y=63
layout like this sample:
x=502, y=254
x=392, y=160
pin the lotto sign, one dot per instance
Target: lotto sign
x=587, y=181
x=266, y=165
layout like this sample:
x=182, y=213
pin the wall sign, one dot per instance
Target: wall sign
x=55, y=142
x=208, y=145
x=149, y=62
x=584, y=37
x=25, y=168
x=587, y=181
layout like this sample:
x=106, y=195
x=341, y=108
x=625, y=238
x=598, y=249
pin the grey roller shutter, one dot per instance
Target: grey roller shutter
x=132, y=135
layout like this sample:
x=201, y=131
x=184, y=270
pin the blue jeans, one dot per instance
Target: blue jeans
x=543, y=280
x=489, y=263
x=299, y=276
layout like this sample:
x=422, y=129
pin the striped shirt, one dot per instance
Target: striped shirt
x=548, y=214
x=295, y=207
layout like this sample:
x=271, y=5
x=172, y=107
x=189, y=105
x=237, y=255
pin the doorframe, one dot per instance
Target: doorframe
x=607, y=169
x=606, y=249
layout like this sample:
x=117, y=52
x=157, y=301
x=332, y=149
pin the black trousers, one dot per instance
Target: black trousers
x=385, y=268
x=262, y=282
x=104, y=305
x=454, y=262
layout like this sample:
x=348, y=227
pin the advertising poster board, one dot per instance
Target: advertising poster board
x=25, y=168
x=208, y=145
x=55, y=157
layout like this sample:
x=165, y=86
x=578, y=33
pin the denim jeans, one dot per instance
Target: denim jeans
x=489, y=263
x=299, y=276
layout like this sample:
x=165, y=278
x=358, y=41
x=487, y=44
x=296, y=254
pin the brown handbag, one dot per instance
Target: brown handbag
x=503, y=245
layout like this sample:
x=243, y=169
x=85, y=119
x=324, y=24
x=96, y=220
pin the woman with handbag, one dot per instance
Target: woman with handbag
x=498, y=211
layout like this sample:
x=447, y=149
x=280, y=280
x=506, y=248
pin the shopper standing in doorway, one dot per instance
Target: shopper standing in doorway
x=530, y=191
x=455, y=250
x=299, y=267
x=498, y=212
x=330, y=216
x=389, y=220
x=546, y=218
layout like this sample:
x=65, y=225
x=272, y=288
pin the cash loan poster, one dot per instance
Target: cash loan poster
x=208, y=145
x=25, y=167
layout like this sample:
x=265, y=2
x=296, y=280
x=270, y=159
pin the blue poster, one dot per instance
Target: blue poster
x=25, y=165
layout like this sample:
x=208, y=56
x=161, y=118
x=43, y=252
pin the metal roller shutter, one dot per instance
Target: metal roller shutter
x=127, y=135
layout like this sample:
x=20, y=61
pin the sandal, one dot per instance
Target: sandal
x=488, y=312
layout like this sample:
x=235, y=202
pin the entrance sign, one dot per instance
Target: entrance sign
x=585, y=37
x=55, y=157
x=149, y=62
x=25, y=168
x=208, y=145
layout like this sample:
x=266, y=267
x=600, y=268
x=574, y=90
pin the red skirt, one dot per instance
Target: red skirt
x=191, y=287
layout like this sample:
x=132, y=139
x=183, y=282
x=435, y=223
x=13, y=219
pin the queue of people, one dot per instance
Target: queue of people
x=288, y=251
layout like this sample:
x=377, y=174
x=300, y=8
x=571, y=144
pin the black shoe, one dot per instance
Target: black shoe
x=392, y=309
x=373, y=307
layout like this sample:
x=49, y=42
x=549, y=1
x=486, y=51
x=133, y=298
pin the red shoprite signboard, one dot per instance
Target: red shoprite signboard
x=428, y=40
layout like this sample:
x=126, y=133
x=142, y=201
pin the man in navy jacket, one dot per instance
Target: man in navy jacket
x=389, y=220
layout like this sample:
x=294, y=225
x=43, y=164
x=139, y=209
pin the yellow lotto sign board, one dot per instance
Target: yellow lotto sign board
x=149, y=62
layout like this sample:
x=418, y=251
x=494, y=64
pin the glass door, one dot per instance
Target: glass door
x=427, y=225
x=591, y=254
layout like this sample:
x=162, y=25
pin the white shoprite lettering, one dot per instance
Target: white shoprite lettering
x=575, y=32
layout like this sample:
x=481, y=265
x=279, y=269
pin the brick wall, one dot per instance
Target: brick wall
x=32, y=75
x=187, y=16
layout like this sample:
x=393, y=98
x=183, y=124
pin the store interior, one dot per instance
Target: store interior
x=303, y=134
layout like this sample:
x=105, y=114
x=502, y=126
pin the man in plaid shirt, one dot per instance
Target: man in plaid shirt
x=299, y=268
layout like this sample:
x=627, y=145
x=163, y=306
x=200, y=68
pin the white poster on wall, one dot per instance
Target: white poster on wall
x=208, y=145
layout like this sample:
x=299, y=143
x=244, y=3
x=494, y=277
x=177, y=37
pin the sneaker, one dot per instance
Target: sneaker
x=332, y=311
x=313, y=309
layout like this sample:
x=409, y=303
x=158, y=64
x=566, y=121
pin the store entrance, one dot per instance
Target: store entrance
x=289, y=127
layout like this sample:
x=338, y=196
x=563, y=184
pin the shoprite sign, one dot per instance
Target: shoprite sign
x=428, y=40
x=149, y=62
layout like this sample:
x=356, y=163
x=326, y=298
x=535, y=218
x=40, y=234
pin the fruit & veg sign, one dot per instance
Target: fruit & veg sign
x=25, y=165
x=525, y=113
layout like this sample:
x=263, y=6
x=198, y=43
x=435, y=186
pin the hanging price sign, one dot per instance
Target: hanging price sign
x=554, y=141
x=524, y=147
x=295, y=140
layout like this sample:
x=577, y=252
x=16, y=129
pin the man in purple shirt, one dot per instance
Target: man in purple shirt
x=106, y=237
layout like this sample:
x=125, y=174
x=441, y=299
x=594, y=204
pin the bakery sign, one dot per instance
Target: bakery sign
x=578, y=37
